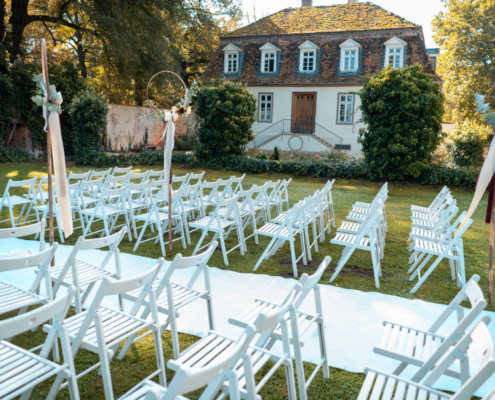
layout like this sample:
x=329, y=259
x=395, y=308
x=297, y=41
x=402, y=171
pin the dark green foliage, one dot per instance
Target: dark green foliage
x=467, y=143
x=275, y=155
x=9, y=154
x=68, y=82
x=402, y=109
x=6, y=95
x=25, y=111
x=226, y=113
x=99, y=158
x=88, y=117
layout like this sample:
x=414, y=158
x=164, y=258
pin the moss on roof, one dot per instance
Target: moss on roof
x=335, y=18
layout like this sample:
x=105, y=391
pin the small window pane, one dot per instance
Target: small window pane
x=265, y=107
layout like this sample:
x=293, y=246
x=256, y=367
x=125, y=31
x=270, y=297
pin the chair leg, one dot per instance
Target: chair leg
x=224, y=249
x=294, y=259
x=346, y=254
x=265, y=253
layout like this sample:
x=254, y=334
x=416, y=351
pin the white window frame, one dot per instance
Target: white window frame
x=307, y=51
x=345, y=100
x=265, y=114
x=395, y=49
x=346, y=48
x=231, y=58
x=268, y=51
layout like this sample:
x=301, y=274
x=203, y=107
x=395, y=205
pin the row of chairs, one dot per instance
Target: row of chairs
x=103, y=329
x=365, y=229
x=436, y=235
x=310, y=219
x=464, y=350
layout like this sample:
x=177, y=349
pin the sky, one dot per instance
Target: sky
x=420, y=12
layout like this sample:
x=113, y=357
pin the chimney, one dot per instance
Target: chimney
x=306, y=3
x=352, y=1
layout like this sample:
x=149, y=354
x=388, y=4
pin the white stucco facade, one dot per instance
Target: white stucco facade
x=326, y=115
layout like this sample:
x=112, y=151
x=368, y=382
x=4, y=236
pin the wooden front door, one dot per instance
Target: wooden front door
x=303, y=112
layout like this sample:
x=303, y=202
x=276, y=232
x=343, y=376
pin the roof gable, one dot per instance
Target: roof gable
x=269, y=47
x=336, y=18
x=308, y=45
x=395, y=41
x=231, y=47
x=349, y=44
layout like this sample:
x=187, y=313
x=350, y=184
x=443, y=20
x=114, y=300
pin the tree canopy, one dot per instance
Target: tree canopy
x=119, y=44
x=465, y=30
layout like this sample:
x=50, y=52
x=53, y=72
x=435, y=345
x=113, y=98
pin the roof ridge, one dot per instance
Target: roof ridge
x=280, y=22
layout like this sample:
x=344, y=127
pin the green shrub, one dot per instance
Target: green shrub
x=6, y=97
x=402, y=109
x=9, y=154
x=88, y=116
x=467, y=142
x=226, y=113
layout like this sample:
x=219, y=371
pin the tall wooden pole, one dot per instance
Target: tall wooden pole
x=44, y=67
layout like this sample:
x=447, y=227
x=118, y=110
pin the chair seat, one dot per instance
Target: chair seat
x=21, y=370
x=100, y=212
x=360, y=210
x=211, y=223
x=117, y=326
x=348, y=239
x=361, y=204
x=148, y=390
x=17, y=200
x=144, y=217
x=422, y=233
x=381, y=386
x=422, y=215
x=355, y=216
x=407, y=344
x=421, y=223
x=430, y=246
x=86, y=273
x=272, y=229
x=13, y=298
x=349, y=227
x=181, y=296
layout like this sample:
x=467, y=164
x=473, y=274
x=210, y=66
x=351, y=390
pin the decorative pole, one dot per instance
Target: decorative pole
x=44, y=69
x=168, y=138
x=51, y=100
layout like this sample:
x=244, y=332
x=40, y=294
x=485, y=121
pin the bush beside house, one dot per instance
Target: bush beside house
x=402, y=109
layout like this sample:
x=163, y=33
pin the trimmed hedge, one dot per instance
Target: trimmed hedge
x=345, y=169
x=9, y=154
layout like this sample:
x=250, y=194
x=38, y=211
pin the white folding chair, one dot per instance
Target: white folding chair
x=13, y=297
x=450, y=247
x=154, y=175
x=257, y=355
x=100, y=174
x=286, y=231
x=83, y=176
x=37, y=229
x=10, y=200
x=209, y=370
x=366, y=238
x=172, y=297
x=101, y=329
x=121, y=170
x=300, y=323
x=22, y=370
x=225, y=218
x=423, y=348
x=179, y=180
x=194, y=178
x=381, y=385
x=210, y=192
x=81, y=273
x=438, y=199
x=111, y=205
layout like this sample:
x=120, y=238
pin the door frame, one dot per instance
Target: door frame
x=294, y=94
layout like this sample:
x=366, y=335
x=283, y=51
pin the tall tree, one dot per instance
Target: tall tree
x=465, y=30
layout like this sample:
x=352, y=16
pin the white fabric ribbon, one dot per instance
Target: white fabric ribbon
x=484, y=179
x=51, y=113
x=169, y=136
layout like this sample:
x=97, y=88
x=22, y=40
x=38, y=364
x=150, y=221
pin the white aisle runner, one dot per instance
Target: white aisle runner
x=353, y=319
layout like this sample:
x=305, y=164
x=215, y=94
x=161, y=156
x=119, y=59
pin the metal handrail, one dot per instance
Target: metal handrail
x=285, y=126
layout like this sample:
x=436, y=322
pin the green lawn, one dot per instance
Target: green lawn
x=357, y=275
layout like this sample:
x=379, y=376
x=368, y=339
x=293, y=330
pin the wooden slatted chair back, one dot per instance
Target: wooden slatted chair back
x=38, y=228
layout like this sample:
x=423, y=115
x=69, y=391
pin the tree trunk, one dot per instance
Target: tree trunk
x=81, y=54
x=2, y=21
x=18, y=22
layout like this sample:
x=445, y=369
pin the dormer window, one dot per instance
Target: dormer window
x=394, y=53
x=269, y=58
x=307, y=56
x=231, y=59
x=349, y=56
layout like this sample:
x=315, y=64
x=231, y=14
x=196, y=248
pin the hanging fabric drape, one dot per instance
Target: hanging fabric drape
x=168, y=136
x=51, y=113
